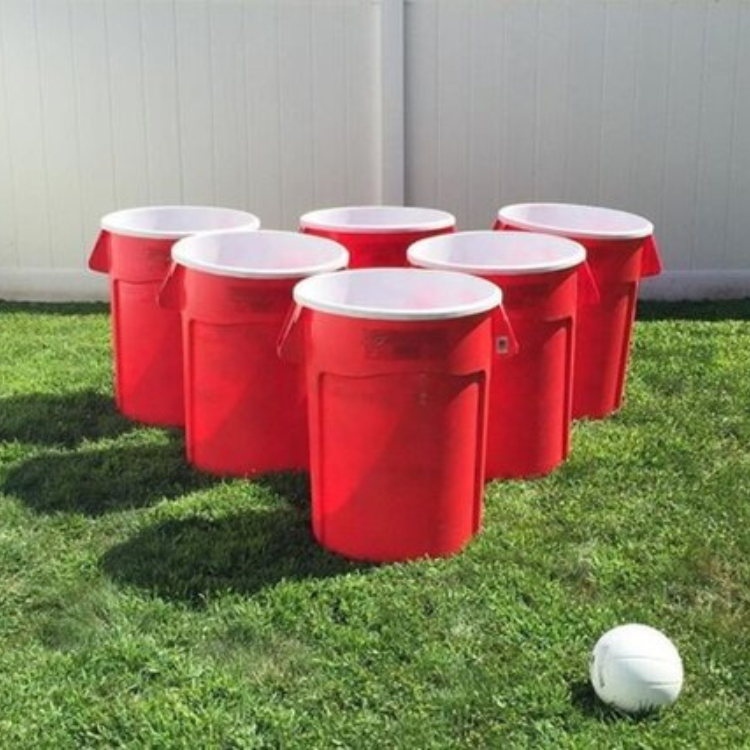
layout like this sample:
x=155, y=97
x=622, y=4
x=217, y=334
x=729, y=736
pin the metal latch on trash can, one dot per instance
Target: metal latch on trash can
x=502, y=345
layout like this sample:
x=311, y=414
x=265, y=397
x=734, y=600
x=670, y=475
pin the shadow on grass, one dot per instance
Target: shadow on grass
x=60, y=419
x=583, y=698
x=291, y=487
x=54, y=308
x=707, y=310
x=98, y=481
x=189, y=560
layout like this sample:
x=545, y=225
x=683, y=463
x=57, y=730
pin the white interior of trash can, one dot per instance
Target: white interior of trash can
x=488, y=253
x=398, y=294
x=376, y=219
x=262, y=254
x=592, y=222
x=173, y=222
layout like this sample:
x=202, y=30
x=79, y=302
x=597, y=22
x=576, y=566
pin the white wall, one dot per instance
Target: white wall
x=282, y=105
x=270, y=106
x=638, y=104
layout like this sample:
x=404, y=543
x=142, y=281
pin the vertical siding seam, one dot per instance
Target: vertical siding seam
x=438, y=99
x=636, y=98
x=536, y=90
x=602, y=92
x=279, y=113
x=634, y=103
x=699, y=139
x=211, y=103
x=668, y=109
x=178, y=104
x=311, y=130
x=732, y=131
x=408, y=186
x=11, y=166
x=144, y=99
x=667, y=106
x=110, y=108
x=246, y=101
x=568, y=46
x=497, y=101
x=43, y=132
x=470, y=112
x=345, y=54
x=77, y=115
x=499, y=58
x=503, y=134
x=390, y=87
x=632, y=123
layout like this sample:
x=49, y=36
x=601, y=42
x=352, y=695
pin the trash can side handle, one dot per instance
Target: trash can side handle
x=172, y=292
x=289, y=345
x=504, y=339
x=588, y=289
x=99, y=260
x=651, y=264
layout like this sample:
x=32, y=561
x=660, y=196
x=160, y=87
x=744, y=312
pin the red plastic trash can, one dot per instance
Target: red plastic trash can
x=377, y=236
x=245, y=408
x=134, y=249
x=530, y=395
x=398, y=364
x=621, y=250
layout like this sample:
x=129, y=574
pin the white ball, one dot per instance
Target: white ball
x=636, y=668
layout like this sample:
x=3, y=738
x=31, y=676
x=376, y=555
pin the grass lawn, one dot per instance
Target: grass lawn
x=145, y=605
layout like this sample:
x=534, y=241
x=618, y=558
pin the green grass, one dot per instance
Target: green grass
x=145, y=605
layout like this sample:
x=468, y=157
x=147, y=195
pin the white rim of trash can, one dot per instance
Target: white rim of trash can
x=571, y=219
x=261, y=254
x=355, y=289
x=175, y=222
x=377, y=219
x=490, y=253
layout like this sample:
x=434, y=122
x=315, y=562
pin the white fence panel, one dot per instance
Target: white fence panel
x=281, y=105
x=642, y=105
x=270, y=105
